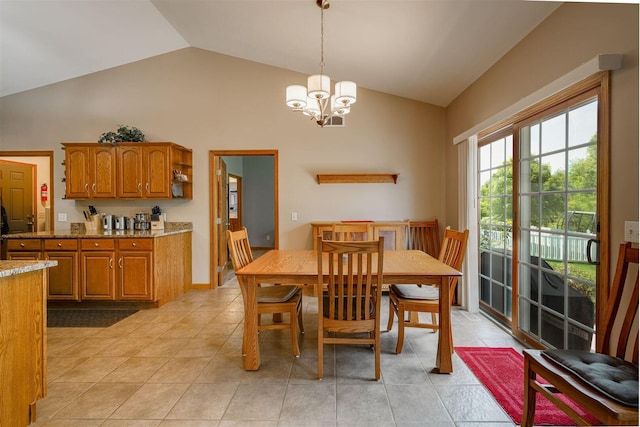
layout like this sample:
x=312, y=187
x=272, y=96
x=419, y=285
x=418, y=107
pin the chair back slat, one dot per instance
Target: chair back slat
x=620, y=331
x=425, y=236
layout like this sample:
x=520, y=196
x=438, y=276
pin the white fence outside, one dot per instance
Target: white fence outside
x=546, y=246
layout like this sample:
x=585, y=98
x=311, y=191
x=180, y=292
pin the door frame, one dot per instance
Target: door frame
x=213, y=203
x=51, y=189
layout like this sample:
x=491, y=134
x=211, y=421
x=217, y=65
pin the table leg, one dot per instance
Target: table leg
x=444, y=364
x=250, y=347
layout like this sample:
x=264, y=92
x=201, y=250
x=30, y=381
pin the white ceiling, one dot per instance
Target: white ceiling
x=426, y=50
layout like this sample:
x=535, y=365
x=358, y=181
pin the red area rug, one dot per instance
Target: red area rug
x=501, y=371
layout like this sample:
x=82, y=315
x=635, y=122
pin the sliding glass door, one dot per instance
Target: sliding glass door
x=543, y=241
x=495, y=165
x=558, y=218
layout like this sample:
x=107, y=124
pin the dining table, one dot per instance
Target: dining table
x=300, y=267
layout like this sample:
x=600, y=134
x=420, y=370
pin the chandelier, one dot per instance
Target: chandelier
x=316, y=100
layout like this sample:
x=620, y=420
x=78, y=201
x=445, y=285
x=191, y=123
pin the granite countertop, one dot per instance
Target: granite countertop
x=78, y=232
x=11, y=268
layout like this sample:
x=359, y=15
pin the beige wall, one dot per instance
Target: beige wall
x=571, y=36
x=208, y=101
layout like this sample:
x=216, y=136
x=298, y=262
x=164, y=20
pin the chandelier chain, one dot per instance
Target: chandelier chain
x=322, y=39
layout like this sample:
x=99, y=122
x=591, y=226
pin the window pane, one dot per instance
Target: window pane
x=583, y=124
x=553, y=134
x=497, y=153
x=553, y=172
x=485, y=183
x=508, y=148
x=484, y=157
x=553, y=211
x=583, y=168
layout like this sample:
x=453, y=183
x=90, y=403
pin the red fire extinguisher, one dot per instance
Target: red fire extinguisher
x=44, y=193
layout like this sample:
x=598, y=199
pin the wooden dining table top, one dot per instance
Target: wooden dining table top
x=399, y=266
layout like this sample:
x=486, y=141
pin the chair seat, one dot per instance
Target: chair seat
x=268, y=294
x=612, y=376
x=416, y=292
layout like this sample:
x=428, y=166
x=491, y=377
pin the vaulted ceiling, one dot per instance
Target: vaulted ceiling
x=426, y=50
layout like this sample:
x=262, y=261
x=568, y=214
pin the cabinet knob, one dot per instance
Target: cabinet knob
x=59, y=245
x=22, y=245
x=95, y=244
x=133, y=244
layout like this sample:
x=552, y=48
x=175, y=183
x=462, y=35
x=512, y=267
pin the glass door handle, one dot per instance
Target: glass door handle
x=589, y=259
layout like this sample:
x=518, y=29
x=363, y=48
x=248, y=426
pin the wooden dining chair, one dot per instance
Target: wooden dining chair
x=425, y=236
x=273, y=299
x=425, y=298
x=351, y=232
x=604, y=383
x=351, y=304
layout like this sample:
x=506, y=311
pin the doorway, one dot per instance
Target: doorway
x=42, y=162
x=221, y=165
x=235, y=202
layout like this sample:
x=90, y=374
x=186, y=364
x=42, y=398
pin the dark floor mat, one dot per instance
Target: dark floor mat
x=85, y=318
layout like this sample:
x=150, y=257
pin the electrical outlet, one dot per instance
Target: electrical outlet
x=268, y=237
x=632, y=231
x=62, y=217
x=294, y=216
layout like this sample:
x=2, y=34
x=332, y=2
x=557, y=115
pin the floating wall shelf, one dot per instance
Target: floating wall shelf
x=357, y=178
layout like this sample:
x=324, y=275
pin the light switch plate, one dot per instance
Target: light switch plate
x=294, y=216
x=62, y=217
x=632, y=231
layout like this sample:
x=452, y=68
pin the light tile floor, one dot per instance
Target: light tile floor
x=180, y=365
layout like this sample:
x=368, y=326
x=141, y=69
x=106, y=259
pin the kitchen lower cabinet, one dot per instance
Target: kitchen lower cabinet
x=97, y=269
x=135, y=275
x=63, y=278
x=153, y=270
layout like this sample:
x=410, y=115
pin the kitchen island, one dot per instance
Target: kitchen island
x=23, y=318
x=151, y=267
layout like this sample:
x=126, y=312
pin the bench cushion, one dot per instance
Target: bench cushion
x=612, y=376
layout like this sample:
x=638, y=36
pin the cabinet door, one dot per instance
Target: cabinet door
x=102, y=172
x=135, y=281
x=98, y=275
x=63, y=278
x=155, y=172
x=394, y=236
x=129, y=167
x=77, y=172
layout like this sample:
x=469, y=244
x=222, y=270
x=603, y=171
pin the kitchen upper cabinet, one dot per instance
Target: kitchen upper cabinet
x=90, y=171
x=156, y=172
x=129, y=167
x=129, y=171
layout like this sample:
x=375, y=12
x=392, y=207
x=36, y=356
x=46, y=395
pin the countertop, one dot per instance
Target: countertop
x=11, y=268
x=80, y=232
